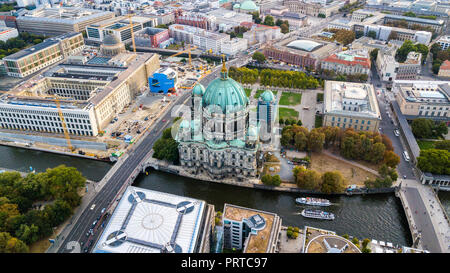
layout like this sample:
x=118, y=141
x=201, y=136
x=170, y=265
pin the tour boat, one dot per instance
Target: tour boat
x=317, y=214
x=313, y=201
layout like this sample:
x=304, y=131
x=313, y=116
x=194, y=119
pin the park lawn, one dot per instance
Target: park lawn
x=287, y=113
x=321, y=163
x=318, y=121
x=289, y=98
x=425, y=145
x=248, y=92
x=260, y=91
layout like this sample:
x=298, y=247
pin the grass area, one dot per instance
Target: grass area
x=259, y=92
x=289, y=98
x=319, y=97
x=425, y=145
x=353, y=175
x=287, y=113
x=318, y=121
x=247, y=92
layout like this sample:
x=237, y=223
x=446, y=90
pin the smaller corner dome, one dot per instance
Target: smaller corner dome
x=198, y=89
x=267, y=96
x=236, y=6
x=249, y=5
x=110, y=40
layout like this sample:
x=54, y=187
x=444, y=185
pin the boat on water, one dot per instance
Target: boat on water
x=313, y=201
x=317, y=214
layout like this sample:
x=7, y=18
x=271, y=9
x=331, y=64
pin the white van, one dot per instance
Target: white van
x=406, y=156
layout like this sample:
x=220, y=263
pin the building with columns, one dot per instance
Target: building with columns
x=217, y=139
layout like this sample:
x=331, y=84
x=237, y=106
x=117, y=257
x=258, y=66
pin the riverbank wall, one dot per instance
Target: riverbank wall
x=255, y=183
x=23, y=146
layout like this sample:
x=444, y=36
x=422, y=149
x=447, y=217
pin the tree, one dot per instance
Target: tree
x=284, y=28
x=434, y=161
x=307, y=179
x=276, y=180
x=332, y=182
x=269, y=21
x=279, y=22
x=316, y=139
x=266, y=179
x=372, y=34
x=391, y=159
x=259, y=57
x=377, y=152
x=344, y=37
x=374, y=54
x=422, y=128
x=442, y=145
x=9, y=244
x=409, y=14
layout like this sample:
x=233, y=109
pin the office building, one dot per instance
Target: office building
x=423, y=99
x=118, y=27
x=444, y=42
x=40, y=56
x=260, y=33
x=250, y=230
x=351, y=105
x=234, y=46
x=7, y=33
x=60, y=20
x=151, y=37
x=266, y=114
x=147, y=221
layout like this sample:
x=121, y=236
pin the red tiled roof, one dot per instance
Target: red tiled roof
x=7, y=18
x=445, y=65
x=365, y=62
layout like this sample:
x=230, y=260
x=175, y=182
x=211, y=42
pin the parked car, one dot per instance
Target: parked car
x=396, y=133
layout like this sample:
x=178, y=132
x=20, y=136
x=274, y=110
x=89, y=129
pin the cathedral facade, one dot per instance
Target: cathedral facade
x=218, y=139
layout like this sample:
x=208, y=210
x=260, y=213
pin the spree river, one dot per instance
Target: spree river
x=378, y=217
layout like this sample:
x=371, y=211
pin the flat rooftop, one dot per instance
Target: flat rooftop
x=147, y=221
x=45, y=44
x=257, y=243
x=68, y=15
x=329, y=243
x=300, y=46
x=340, y=97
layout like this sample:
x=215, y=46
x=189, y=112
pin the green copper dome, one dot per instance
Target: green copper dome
x=249, y=5
x=225, y=93
x=198, y=89
x=267, y=96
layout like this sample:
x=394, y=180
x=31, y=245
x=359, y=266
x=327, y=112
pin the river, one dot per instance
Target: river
x=378, y=217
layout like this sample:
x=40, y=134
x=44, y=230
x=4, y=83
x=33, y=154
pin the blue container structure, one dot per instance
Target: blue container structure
x=159, y=83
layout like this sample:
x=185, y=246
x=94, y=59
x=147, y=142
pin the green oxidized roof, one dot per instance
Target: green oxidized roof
x=267, y=96
x=225, y=93
x=198, y=89
x=249, y=5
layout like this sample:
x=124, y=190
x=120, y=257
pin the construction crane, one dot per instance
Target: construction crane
x=61, y=117
x=189, y=52
x=132, y=33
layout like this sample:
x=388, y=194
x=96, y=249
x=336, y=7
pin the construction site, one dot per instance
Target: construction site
x=97, y=103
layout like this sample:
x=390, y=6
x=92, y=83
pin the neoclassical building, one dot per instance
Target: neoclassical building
x=218, y=140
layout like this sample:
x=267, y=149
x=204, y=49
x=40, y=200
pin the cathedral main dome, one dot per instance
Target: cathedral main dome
x=225, y=93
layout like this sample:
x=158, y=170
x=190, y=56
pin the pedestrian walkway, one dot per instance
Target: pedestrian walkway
x=429, y=227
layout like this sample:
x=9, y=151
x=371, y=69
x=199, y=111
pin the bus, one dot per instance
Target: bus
x=406, y=156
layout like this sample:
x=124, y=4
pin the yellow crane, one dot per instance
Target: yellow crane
x=61, y=117
x=189, y=52
x=132, y=33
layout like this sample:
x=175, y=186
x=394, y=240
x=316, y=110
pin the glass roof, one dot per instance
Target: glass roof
x=304, y=45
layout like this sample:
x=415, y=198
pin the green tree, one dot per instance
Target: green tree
x=409, y=14
x=269, y=21
x=372, y=34
x=284, y=28
x=259, y=57
x=332, y=182
x=9, y=244
x=391, y=159
x=276, y=180
x=434, y=161
x=307, y=179
x=422, y=128
x=316, y=139
x=374, y=54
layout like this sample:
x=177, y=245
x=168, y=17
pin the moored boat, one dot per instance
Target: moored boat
x=313, y=201
x=317, y=214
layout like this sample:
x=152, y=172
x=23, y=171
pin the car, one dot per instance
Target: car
x=404, y=176
x=396, y=133
x=87, y=234
x=103, y=210
x=163, y=120
x=94, y=223
x=379, y=129
x=92, y=207
x=85, y=250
